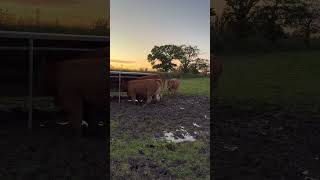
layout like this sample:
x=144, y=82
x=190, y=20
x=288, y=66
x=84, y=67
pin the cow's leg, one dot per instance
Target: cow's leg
x=158, y=97
x=134, y=98
x=94, y=115
x=149, y=99
x=73, y=107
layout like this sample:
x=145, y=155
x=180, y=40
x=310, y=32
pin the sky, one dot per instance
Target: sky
x=68, y=12
x=137, y=26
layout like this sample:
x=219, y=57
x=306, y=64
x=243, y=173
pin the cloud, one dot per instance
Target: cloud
x=43, y=2
x=122, y=61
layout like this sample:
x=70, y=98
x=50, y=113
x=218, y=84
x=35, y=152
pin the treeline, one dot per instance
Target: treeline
x=9, y=21
x=167, y=75
x=179, y=59
x=266, y=25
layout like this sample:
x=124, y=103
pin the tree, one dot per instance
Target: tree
x=190, y=53
x=304, y=16
x=4, y=17
x=269, y=19
x=161, y=57
x=240, y=14
x=101, y=25
x=200, y=65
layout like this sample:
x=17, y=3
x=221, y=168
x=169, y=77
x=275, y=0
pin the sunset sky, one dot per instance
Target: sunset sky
x=68, y=12
x=137, y=26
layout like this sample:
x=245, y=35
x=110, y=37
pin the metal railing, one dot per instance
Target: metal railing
x=31, y=37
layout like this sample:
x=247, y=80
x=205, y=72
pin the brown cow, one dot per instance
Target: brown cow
x=145, y=88
x=156, y=76
x=217, y=71
x=173, y=85
x=76, y=83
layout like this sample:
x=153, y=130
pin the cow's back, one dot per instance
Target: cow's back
x=144, y=87
x=156, y=76
x=124, y=84
x=87, y=77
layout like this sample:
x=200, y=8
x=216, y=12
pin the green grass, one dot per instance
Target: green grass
x=188, y=160
x=282, y=78
x=184, y=160
x=195, y=86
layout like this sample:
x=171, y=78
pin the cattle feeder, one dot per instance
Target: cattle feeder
x=119, y=80
x=38, y=47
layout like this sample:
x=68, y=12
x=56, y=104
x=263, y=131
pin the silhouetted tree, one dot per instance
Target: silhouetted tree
x=101, y=25
x=269, y=18
x=239, y=14
x=190, y=53
x=304, y=16
x=3, y=16
x=200, y=64
x=161, y=57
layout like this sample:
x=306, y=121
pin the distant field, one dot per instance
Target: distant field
x=195, y=86
x=287, y=77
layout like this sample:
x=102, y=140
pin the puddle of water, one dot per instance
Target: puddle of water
x=84, y=123
x=63, y=123
x=186, y=136
x=100, y=123
x=196, y=125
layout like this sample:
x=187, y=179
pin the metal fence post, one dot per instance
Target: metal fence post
x=119, y=86
x=30, y=83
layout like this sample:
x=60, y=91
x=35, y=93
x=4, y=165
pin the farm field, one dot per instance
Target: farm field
x=266, y=117
x=195, y=86
x=139, y=148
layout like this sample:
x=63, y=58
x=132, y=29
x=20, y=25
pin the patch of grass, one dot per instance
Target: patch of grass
x=188, y=160
x=278, y=78
x=195, y=86
x=184, y=160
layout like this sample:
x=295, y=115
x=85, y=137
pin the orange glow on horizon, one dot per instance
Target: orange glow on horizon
x=131, y=66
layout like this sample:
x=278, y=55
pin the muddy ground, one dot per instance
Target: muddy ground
x=48, y=152
x=168, y=115
x=266, y=142
x=138, y=123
